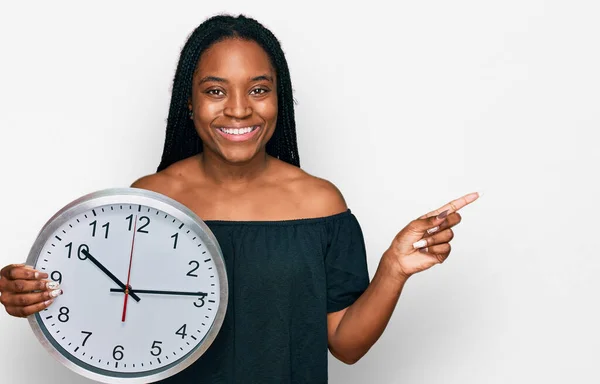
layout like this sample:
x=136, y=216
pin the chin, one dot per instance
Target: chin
x=239, y=155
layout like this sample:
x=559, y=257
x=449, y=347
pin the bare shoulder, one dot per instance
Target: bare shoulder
x=169, y=182
x=314, y=196
x=157, y=182
x=323, y=197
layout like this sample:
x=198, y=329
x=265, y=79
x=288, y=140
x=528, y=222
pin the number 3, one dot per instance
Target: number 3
x=201, y=300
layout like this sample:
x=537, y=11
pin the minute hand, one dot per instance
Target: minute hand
x=109, y=274
x=155, y=292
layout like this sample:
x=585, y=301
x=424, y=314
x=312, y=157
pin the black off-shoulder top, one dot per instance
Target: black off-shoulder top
x=284, y=277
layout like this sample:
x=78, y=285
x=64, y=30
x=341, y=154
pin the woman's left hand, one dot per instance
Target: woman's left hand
x=425, y=241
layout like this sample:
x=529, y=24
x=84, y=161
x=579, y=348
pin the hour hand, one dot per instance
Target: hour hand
x=109, y=274
x=155, y=292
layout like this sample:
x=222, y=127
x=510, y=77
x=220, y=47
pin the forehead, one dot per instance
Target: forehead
x=234, y=58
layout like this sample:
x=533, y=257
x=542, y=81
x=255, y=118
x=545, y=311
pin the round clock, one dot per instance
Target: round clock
x=144, y=286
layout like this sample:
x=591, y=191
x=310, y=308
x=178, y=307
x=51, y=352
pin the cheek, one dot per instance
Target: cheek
x=207, y=111
x=267, y=109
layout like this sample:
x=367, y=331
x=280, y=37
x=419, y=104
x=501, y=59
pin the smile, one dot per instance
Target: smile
x=238, y=131
x=238, y=134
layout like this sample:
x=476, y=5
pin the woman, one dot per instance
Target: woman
x=295, y=255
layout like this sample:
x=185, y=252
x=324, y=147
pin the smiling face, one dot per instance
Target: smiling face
x=234, y=100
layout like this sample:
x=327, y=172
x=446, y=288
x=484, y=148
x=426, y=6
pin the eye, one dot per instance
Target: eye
x=259, y=91
x=215, y=92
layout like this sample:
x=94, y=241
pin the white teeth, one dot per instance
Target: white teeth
x=237, y=131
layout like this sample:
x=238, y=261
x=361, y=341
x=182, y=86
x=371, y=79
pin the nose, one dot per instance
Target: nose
x=238, y=106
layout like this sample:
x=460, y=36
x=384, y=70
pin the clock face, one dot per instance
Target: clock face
x=144, y=286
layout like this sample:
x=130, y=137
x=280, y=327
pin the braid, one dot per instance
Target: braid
x=181, y=138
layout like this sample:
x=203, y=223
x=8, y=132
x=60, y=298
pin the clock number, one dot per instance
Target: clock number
x=106, y=226
x=175, y=236
x=87, y=337
x=181, y=331
x=140, y=229
x=156, y=348
x=64, y=314
x=56, y=278
x=81, y=255
x=118, y=353
x=201, y=300
x=197, y=266
x=130, y=218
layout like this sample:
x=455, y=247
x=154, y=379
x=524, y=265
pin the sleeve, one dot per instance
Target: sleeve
x=345, y=262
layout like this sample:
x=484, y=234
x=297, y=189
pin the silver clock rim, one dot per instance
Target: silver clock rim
x=170, y=206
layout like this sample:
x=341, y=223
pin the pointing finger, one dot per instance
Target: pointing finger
x=454, y=205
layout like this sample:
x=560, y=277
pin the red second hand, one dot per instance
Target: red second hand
x=129, y=272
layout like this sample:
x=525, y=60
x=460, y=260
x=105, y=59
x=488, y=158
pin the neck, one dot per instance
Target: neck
x=223, y=172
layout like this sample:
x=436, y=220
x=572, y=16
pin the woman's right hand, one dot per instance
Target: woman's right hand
x=25, y=291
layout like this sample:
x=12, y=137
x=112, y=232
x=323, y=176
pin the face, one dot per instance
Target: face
x=234, y=100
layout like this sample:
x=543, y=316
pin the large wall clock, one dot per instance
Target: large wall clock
x=144, y=282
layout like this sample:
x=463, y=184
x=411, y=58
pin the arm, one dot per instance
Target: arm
x=353, y=330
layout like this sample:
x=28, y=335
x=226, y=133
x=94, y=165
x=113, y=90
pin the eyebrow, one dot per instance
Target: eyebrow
x=222, y=80
x=212, y=78
x=263, y=77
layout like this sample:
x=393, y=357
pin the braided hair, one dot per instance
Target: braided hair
x=182, y=140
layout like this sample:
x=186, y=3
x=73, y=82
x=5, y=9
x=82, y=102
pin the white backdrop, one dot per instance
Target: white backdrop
x=403, y=107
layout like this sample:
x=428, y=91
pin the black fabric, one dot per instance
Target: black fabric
x=284, y=277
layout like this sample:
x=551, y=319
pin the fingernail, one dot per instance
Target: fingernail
x=56, y=292
x=42, y=275
x=480, y=193
x=28, y=266
x=443, y=214
x=52, y=285
x=432, y=230
x=420, y=243
x=48, y=302
x=424, y=250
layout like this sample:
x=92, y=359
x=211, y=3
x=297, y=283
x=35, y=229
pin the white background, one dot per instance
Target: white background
x=404, y=106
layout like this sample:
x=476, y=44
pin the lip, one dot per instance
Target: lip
x=238, y=138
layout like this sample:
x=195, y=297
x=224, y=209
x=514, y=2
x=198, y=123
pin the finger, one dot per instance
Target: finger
x=4, y=271
x=454, y=205
x=417, y=228
x=29, y=310
x=27, y=286
x=27, y=299
x=444, y=236
x=439, y=252
x=415, y=232
x=452, y=220
x=20, y=272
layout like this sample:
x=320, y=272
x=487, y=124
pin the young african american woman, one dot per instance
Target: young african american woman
x=294, y=251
